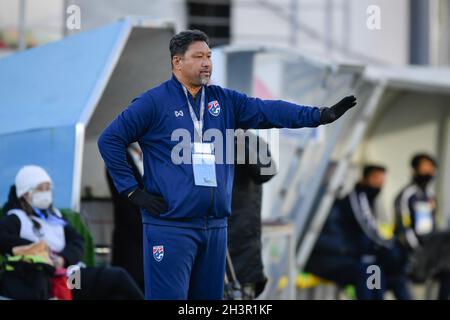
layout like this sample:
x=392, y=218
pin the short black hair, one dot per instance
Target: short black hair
x=181, y=41
x=370, y=168
x=419, y=157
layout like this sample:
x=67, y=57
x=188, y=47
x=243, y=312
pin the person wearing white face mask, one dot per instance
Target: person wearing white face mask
x=38, y=220
x=40, y=197
x=34, y=183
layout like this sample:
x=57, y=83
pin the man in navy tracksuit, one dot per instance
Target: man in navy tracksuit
x=185, y=206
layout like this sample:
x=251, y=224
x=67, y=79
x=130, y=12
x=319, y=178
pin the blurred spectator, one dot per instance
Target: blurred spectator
x=244, y=224
x=127, y=251
x=415, y=208
x=350, y=242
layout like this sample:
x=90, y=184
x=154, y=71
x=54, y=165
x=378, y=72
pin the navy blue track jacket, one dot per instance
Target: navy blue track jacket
x=150, y=120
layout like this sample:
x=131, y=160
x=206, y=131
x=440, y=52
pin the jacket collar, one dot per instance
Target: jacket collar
x=175, y=80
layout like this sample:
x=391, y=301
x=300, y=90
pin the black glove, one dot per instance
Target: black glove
x=328, y=115
x=154, y=204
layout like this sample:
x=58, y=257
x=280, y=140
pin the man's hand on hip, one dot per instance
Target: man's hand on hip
x=154, y=204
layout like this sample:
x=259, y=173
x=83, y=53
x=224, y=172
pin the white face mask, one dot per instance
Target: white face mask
x=41, y=199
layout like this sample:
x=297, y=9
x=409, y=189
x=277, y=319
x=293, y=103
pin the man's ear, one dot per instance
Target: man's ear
x=176, y=62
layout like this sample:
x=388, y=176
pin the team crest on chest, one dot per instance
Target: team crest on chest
x=214, y=108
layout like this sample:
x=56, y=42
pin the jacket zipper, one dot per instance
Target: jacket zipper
x=210, y=205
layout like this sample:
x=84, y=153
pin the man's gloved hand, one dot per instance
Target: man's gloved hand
x=154, y=204
x=328, y=115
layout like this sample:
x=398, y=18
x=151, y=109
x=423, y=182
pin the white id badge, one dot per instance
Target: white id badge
x=423, y=217
x=204, y=164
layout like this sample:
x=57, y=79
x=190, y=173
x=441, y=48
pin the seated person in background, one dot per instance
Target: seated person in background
x=350, y=242
x=31, y=218
x=415, y=208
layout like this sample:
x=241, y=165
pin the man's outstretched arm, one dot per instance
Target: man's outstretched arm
x=264, y=114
